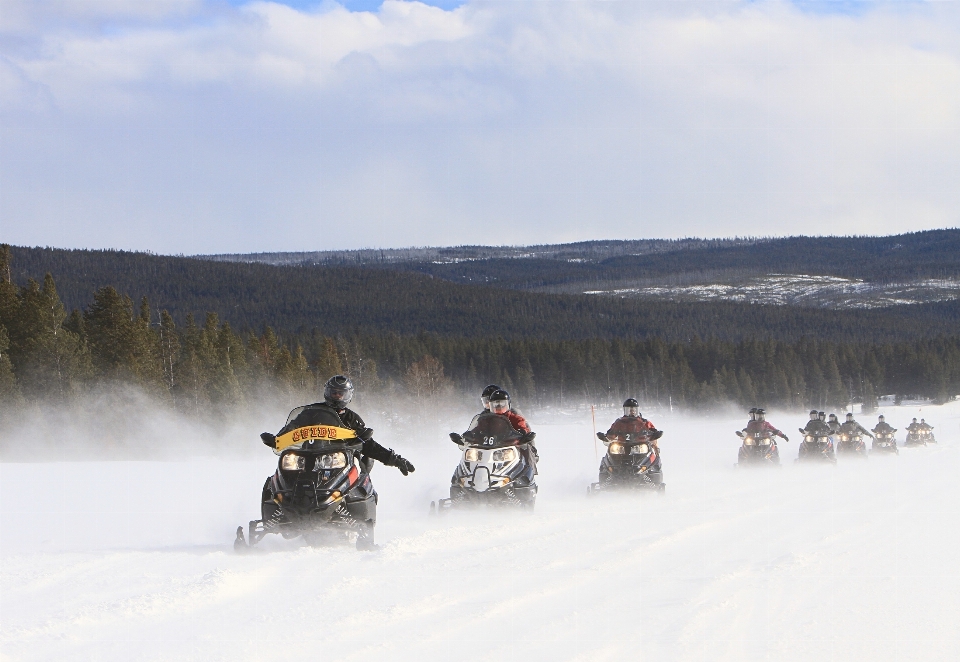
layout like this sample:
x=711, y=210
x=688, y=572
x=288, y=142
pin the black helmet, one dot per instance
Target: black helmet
x=631, y=407
x=338, y=391
x=914, y=420
x=833, y=417
x=849, y=416
x=485, y=395
x=761, y=412
x=813, y=414
x=881, y=418
x=821, y=415
x=499, y=401
x=753, y=414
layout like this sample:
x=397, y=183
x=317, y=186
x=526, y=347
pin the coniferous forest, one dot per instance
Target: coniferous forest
x=667, y=355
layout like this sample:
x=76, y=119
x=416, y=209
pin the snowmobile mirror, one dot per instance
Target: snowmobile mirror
x=601, y=436
x=656, y=435
x=456, y=438
x=739, y=434
x=268, y=439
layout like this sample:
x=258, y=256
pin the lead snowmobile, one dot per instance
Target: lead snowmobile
x=321, y=484
x=632, y=461
x=816, y=446
x=494, y=470
x=758, y=448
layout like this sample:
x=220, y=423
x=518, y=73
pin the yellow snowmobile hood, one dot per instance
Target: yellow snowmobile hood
x=313, y=433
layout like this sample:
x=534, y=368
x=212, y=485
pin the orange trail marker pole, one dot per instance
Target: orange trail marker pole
x=593, y=415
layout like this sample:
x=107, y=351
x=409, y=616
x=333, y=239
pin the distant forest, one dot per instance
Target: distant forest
x=348, y=301
x=899, y=258
x=46, y=352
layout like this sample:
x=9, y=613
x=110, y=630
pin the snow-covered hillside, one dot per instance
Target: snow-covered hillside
x=133, y=560
x=801, y=290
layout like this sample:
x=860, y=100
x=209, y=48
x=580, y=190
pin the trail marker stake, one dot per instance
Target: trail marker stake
x=593, y=415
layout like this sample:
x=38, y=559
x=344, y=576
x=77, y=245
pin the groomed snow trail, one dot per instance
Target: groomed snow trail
x=133, y=561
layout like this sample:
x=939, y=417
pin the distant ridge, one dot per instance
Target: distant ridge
x=583, y=250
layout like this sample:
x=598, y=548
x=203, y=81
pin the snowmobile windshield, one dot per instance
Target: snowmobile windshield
x=492, y=430
x=319, y=415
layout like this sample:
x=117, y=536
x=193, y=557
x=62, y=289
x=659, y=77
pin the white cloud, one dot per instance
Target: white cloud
x=264, y=127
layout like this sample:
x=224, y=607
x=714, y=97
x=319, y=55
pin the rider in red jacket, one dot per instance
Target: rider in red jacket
x=759, y=423
x=632, y=422
x=500, y=405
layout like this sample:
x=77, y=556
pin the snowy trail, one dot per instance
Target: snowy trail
x=850, y=562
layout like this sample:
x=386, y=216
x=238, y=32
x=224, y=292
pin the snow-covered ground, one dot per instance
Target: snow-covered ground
x=133, y=560
x=802, y=290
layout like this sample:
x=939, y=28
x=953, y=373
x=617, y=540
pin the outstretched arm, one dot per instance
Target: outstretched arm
x=386, y=455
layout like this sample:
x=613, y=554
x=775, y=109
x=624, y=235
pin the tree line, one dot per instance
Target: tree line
x=348, y=300
x=47, y=353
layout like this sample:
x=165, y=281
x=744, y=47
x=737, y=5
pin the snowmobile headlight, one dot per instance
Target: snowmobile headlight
x=640, y=449
x=749, y=441
x=505, y=455
x=809, y=437
x=293, y=462
x=472, y=455
x=616, y=448
x=332, y=461
x=765, y=441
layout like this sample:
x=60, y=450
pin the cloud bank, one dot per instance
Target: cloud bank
x=198, y=126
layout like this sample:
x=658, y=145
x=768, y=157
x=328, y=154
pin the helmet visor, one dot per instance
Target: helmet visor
x=631, y=411
x=499, y=406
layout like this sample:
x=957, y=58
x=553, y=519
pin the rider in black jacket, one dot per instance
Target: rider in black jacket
x=337, y=394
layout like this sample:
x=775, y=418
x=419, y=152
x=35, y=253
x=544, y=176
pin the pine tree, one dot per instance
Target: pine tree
x=9, y=391
x=54, y=362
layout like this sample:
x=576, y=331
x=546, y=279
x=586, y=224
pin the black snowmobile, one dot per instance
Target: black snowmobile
x=817, y=447
x=919, y=437
x=884, y=442
x=495, y=468
x=631, y=462
x=851, y=444
x=321, y=484
x=758, y=448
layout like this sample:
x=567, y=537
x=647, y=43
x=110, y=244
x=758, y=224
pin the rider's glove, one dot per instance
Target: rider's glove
x=785, y=437
x=405, y=466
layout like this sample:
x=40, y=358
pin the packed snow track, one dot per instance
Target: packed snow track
x=134, y=560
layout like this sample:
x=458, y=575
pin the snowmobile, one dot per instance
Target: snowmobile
x=816, y=447
x=321, y=484
x=495, y=468
x=918, y=438
x=631, y=462
x=884, y=442
x=851, y=444
x=758, y=448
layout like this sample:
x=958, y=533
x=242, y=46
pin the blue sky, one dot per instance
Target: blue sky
x=201, y=128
